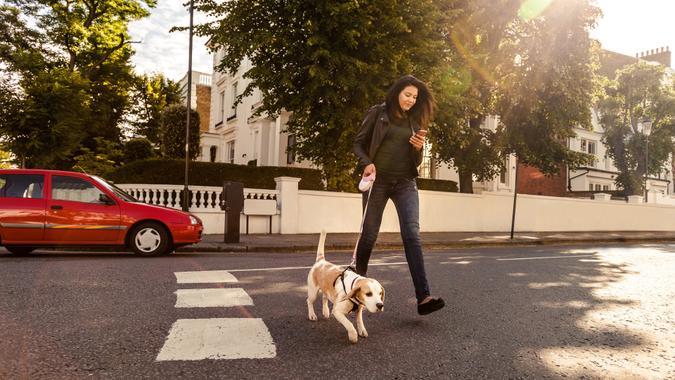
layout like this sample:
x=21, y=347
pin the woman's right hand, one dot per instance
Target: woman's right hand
x=370, y=169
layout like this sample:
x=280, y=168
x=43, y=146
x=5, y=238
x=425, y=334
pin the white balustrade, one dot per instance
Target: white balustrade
x=202, y=198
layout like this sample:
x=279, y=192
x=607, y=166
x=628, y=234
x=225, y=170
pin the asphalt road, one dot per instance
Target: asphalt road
x=531, y=312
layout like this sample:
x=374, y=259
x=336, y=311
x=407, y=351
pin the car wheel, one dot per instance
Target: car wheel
x=19, y=250
x=149, y=239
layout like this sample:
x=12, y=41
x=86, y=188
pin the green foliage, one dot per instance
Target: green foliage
x=162, y=171
x=529, y=64
x=5, y=160
x=327, y=62
x=107, y=156
x=548, y=90
x=151, y=96
x=639, y=92
x=138, y=149
x=43, y=122
x=174, y=123
x=69, y=64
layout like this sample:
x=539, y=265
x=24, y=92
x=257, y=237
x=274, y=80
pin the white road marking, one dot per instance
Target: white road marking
x=203, y=277
x=294, y=268
x=216, y=297
x=218, y=338
x=546, y=257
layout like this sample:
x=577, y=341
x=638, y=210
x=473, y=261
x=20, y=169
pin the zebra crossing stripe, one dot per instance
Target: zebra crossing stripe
x=218, y=338
x=204, y=277
x=212, y=297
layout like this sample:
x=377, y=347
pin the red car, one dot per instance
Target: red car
x=48, y=208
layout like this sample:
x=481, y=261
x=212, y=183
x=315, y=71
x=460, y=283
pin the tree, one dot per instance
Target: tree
x=639, y=92
x=327, y=62
x=44, y=125
x=529, y=65
x=55, y=48
x=151, y=95
x=174, y=120
x=107, y=156
x=548, y=89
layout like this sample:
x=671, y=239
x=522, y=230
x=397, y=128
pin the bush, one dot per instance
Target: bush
x=138, y=149
x=172, y=172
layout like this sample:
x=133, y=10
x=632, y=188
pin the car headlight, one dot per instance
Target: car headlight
x=193, y=220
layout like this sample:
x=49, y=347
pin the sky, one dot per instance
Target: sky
x=627, y=27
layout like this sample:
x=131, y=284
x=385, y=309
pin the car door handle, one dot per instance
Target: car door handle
x=57, y=207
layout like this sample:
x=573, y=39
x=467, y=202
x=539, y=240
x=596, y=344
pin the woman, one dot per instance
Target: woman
x=389, y=147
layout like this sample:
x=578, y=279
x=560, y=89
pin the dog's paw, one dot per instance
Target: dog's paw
x=312, y=317
x=353, y=338
x=363, y=333
x=326, y=315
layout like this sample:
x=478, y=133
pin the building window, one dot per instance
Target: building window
x=213, y=151
x=290, y=150
x=233, y=104
x=230, y=151
x=605, y=187
x=504, y=172
x=598, y=187
x=591, y=147
x=221, y=106
x=590, y=187
x=588, y=146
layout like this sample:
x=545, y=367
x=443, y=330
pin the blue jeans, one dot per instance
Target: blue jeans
x=403, y=192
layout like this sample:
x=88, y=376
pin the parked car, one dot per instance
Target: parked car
x=48, y=208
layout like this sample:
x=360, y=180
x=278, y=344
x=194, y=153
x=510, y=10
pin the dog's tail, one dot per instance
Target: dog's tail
x=320, y=249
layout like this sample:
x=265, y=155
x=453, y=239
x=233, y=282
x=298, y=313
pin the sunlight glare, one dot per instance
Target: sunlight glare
x=532, y=9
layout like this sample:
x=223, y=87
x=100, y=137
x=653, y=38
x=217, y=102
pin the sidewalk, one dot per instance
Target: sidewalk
x=430, y=240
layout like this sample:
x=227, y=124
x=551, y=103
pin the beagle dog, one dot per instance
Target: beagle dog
x=346, y=290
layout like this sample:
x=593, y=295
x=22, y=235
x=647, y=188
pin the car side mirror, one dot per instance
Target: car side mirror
x=105, y=199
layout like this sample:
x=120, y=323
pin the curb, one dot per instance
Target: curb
x=428, y=246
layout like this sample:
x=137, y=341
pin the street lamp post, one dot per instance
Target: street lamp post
x=646, y=130
x=186, y=194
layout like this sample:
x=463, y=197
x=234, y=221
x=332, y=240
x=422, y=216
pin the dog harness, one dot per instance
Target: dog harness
x=350, y=276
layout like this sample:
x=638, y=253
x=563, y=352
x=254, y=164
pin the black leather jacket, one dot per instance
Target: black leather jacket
x=372, y=131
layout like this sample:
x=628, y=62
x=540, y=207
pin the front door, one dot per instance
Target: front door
x=76, y=214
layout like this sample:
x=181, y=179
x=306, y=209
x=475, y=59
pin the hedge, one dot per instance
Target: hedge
x=437, y=185
x=172, y=172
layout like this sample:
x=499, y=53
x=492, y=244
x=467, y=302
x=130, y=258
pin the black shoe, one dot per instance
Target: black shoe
x=429, y=307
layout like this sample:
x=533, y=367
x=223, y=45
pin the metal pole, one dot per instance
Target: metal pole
x=515, y=197
x=186, y=195
x=646, y=168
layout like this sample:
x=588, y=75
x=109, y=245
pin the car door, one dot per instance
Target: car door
x=22, y=208
x=77, y=213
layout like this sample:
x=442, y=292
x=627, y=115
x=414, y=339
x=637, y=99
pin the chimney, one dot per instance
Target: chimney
x=660, y=55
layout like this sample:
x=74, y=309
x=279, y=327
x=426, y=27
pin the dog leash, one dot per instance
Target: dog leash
x=363, y=220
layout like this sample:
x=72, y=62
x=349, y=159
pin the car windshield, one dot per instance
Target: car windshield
x=119, y=192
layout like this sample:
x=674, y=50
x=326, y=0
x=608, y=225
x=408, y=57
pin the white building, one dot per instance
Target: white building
x=234, y=134
x=601, y=176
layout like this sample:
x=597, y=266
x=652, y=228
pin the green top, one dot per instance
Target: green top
x=393, y=156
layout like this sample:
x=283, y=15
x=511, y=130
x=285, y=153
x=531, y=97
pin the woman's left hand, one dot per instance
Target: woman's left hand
x=417, y=140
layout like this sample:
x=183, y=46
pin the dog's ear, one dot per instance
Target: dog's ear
x=354, y=293
x=382, y=295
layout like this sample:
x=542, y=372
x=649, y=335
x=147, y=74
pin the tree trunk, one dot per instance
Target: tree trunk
x=465, y=181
